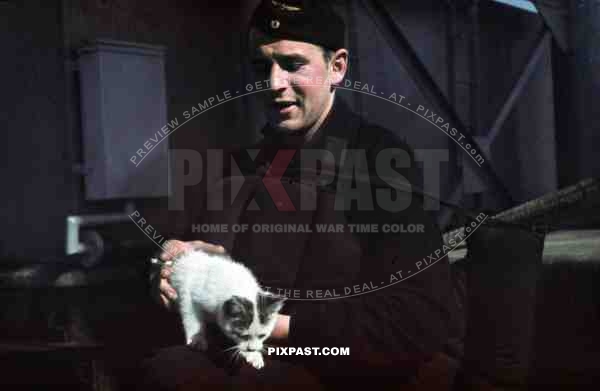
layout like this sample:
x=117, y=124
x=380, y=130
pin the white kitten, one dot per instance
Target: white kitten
x=214, y=288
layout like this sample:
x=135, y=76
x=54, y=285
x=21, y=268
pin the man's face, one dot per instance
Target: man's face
x=300, y=92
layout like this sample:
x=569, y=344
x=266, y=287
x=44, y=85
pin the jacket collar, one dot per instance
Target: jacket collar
x=339, y=131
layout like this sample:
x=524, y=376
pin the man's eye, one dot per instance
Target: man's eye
x=292, y=66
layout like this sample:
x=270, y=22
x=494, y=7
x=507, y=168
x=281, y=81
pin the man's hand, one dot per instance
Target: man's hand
x=282, y=328
x=166, y=293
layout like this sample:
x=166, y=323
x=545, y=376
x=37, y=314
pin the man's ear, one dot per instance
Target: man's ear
x=338, y=66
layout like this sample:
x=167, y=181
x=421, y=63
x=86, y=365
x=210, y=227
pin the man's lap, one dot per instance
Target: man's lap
x=181, y=368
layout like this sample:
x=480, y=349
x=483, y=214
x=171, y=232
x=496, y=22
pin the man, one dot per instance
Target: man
x=345, y=281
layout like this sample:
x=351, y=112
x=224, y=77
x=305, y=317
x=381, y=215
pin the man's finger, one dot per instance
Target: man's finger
x=168, y=249
x=209, y=247
x=173, y=248
x=167, y=290
x=165, y=272
x=165, y=301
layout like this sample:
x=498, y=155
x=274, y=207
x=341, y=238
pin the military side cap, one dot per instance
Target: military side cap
x=312, y=21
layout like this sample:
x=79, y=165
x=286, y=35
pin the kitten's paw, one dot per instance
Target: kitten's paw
x=255, y=359
x=198, y=342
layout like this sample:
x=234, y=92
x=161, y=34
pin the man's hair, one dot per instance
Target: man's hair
x=327, y=54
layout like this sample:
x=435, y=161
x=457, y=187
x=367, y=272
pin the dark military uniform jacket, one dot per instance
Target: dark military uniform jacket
x=377, y=293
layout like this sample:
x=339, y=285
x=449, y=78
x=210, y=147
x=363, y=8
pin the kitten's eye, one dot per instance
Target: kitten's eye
x=243, y=337
x=261, y=336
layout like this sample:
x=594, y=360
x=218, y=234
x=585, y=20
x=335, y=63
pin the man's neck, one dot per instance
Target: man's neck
x=315, y=128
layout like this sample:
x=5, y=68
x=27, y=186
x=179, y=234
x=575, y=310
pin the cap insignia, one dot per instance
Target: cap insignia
x=285, y=7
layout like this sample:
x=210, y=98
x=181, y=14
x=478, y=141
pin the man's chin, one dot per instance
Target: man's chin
x=285, y=127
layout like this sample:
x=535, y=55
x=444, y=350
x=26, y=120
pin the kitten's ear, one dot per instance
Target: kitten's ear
x=270, y=302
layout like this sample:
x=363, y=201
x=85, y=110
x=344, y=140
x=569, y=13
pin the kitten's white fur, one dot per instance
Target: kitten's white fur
x=204, y=282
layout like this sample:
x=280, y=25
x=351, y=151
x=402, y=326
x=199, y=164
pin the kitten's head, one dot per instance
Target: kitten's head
x=249, y=322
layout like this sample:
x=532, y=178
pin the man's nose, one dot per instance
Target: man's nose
x=279, y=78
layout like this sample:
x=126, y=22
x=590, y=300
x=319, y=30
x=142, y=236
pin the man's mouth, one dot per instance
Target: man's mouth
x=284, y=107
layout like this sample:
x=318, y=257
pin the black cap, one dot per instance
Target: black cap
x=312, y=21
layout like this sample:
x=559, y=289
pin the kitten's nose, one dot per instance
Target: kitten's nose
x=253, y=347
